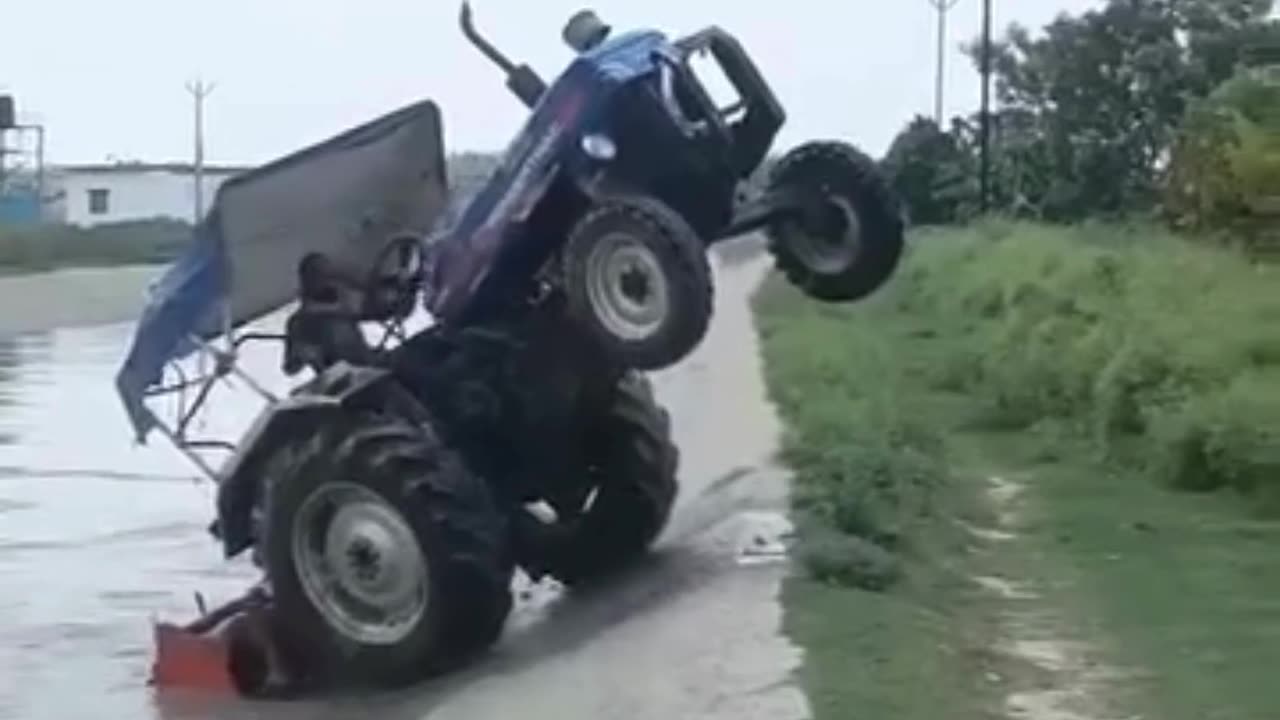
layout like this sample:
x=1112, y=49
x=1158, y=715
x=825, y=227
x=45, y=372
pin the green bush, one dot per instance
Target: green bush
x=47, y=247
x=1225, y=169
x=847, y=560
x=1142, y=342
x=1226, y=438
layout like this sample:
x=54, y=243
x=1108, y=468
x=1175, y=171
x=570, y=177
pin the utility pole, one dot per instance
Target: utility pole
x=986, y=106
x=943, y=7
x=199, y=91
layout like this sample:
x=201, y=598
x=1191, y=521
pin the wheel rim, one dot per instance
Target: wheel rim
x=829, y=253
x=626, y=286
x=360, y=564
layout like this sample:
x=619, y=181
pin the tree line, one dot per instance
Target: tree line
x=1165, y=108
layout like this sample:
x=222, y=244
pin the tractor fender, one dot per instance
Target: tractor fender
x=332, y=395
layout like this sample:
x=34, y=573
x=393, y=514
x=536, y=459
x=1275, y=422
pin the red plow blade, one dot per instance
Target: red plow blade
x=188, y=660
x=230, y=650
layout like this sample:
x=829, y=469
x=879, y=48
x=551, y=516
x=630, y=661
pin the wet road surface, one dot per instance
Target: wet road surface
x=97, y=536
x=72, y=297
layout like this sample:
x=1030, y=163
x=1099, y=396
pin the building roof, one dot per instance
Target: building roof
x=142, y=167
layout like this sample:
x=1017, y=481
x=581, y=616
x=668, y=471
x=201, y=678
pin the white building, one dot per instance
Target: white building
x=94, y=194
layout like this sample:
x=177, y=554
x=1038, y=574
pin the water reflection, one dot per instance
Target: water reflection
x=8, y=363
x=96, y=535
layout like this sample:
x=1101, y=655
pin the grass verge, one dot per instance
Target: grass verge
x=51, y=247
x=1093, y=361
x=890, y=624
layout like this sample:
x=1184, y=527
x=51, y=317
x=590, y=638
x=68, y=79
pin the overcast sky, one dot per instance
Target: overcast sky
x=106, y=77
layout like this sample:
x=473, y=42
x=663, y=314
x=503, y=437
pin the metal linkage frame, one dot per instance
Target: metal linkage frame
x=224, y=365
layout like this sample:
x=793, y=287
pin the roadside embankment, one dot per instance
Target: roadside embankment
x=1036, y=477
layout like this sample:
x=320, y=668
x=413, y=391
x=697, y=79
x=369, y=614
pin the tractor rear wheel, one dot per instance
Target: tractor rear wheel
x=850, y=241
x=632, y=466
x=638, y=280
x=387, y=558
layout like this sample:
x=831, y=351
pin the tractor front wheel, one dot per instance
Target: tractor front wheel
x=638, y=280
x=848, y=240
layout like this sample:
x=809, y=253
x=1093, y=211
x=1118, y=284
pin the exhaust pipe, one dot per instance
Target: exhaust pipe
x=522, y=80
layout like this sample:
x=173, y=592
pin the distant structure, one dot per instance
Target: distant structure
x=22, y=184
x=93, y=194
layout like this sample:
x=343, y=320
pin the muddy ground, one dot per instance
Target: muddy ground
x=96, y=536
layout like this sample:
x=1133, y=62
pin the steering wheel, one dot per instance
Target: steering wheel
x=394, y=279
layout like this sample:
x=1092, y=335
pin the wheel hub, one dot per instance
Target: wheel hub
x=627, y=287
x=828, y=236
x=634, y=283
x=367, y=549
x=360, y=563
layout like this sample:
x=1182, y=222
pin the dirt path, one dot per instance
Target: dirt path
x=1054, y=671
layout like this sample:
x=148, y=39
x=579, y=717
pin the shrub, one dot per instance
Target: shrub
x=1140, y=340
x=1226, y=438
x=846, y=560
x=867, y=468
x=1225, y=167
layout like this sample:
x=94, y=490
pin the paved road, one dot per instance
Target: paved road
x=72, y=298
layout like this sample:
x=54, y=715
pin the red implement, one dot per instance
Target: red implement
x=188, y=660
x=228, y=650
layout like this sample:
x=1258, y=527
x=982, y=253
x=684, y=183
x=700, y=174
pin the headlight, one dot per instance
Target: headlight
x=599, y=147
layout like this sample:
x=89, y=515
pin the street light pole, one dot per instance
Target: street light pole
x=943, y=7
x=986, y=106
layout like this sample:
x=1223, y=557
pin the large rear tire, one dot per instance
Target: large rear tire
x=633, y=465
x=387, y=558
x=852, y=244
x=638, y=279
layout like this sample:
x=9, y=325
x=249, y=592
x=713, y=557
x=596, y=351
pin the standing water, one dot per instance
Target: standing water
x=96, y=533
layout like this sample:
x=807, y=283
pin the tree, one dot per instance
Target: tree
x=1225, y=166
x=927, y=168
x=1094, y=102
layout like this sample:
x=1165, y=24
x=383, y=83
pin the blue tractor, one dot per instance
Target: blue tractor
x=389, y=498
x=627, y=171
